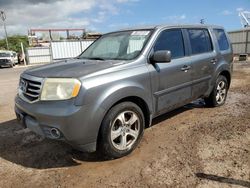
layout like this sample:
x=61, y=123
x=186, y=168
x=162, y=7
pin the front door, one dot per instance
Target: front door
x=171, y=82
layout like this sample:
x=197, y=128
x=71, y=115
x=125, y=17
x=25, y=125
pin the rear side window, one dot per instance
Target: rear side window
x=222, y=39
x=171, y=40
x=200, y=41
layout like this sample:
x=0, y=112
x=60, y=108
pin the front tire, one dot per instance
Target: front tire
x=219, y=94
x=121, y=130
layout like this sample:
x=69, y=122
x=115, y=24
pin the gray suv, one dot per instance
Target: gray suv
x=104, y=98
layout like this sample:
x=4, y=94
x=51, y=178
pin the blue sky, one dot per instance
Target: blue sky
x=108, y=15
x=220, y=12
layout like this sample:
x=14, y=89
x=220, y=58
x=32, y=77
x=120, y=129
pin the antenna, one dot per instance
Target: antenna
x=245, y=18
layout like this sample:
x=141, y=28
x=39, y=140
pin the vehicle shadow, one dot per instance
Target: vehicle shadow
x=4, y=67
x=199, y=103
x=22, y=147
x=223, y=179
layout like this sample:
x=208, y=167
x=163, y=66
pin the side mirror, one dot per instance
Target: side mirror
x=161, y=56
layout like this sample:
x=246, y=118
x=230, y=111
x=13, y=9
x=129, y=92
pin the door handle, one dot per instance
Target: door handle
x=185, y=68
x=213, y=61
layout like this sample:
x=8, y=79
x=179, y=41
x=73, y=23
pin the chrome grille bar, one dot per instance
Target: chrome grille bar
x=30, y=87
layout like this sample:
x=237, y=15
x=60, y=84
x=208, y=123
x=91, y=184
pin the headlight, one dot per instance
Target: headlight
x=60, y=88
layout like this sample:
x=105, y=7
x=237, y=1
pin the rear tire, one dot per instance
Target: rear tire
x=219, y=94
x=121, y=130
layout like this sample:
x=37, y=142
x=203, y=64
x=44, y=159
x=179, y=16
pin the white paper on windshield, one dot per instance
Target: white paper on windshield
x=140, y=33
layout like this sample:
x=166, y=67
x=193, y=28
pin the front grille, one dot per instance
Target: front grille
x=3, y=60
x=30, y=88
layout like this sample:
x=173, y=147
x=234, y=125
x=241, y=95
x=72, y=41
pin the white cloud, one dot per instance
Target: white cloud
x=25, y=14
x=127, y=1
x=239, y=9
x=118, y=25
x=176, y=18
x=226, y=12
x=182, y=17
x=108, y=7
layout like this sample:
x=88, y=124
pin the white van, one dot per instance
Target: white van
x=8, y=58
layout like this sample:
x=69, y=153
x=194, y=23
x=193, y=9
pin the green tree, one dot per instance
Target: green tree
x=15, y=43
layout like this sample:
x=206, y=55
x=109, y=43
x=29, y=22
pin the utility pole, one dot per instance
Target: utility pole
x=23, y=55
x=3, y=17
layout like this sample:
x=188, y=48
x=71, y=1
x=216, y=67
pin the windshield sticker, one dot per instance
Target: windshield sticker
x=140, y=33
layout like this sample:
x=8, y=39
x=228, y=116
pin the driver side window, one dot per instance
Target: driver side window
x=171, y=40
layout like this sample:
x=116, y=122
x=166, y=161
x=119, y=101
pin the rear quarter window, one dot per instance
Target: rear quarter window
x=222, y=39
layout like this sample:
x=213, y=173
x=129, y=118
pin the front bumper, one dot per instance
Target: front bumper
x=5, y=63
x=78, y=125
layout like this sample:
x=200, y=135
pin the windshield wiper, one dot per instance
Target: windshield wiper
x=96, y=58
x=92, y=58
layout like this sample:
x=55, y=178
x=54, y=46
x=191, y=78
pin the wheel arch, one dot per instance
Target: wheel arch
x=227, y=75
x=131, y=93
x=139, y=102
x=222, y=69
x=136, y=100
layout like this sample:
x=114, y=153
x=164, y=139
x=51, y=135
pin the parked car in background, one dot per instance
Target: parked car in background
x=104, y=98
x=8, y=58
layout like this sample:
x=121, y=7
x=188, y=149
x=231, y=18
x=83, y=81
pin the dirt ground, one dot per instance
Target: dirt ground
x=193, y=146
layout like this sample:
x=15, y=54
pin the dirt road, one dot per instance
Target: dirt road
x=193, y=146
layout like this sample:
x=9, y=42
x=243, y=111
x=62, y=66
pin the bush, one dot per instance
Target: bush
x=14, y=43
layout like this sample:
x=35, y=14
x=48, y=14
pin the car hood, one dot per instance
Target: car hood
x=72, y=68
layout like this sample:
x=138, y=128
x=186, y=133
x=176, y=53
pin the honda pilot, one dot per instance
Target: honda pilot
x=104, y=98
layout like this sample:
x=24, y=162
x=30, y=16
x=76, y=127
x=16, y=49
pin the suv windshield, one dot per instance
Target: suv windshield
x=125, y=45
x=4, y=55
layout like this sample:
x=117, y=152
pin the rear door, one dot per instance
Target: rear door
x=203, y=60
x=171, y=82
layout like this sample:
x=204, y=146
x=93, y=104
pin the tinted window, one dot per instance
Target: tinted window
x=209, y=40
x=200, y=41
x=222, y=39
x=171, y=40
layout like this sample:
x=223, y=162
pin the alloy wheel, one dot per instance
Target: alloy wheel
x=221, y=92
x=125, y=130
